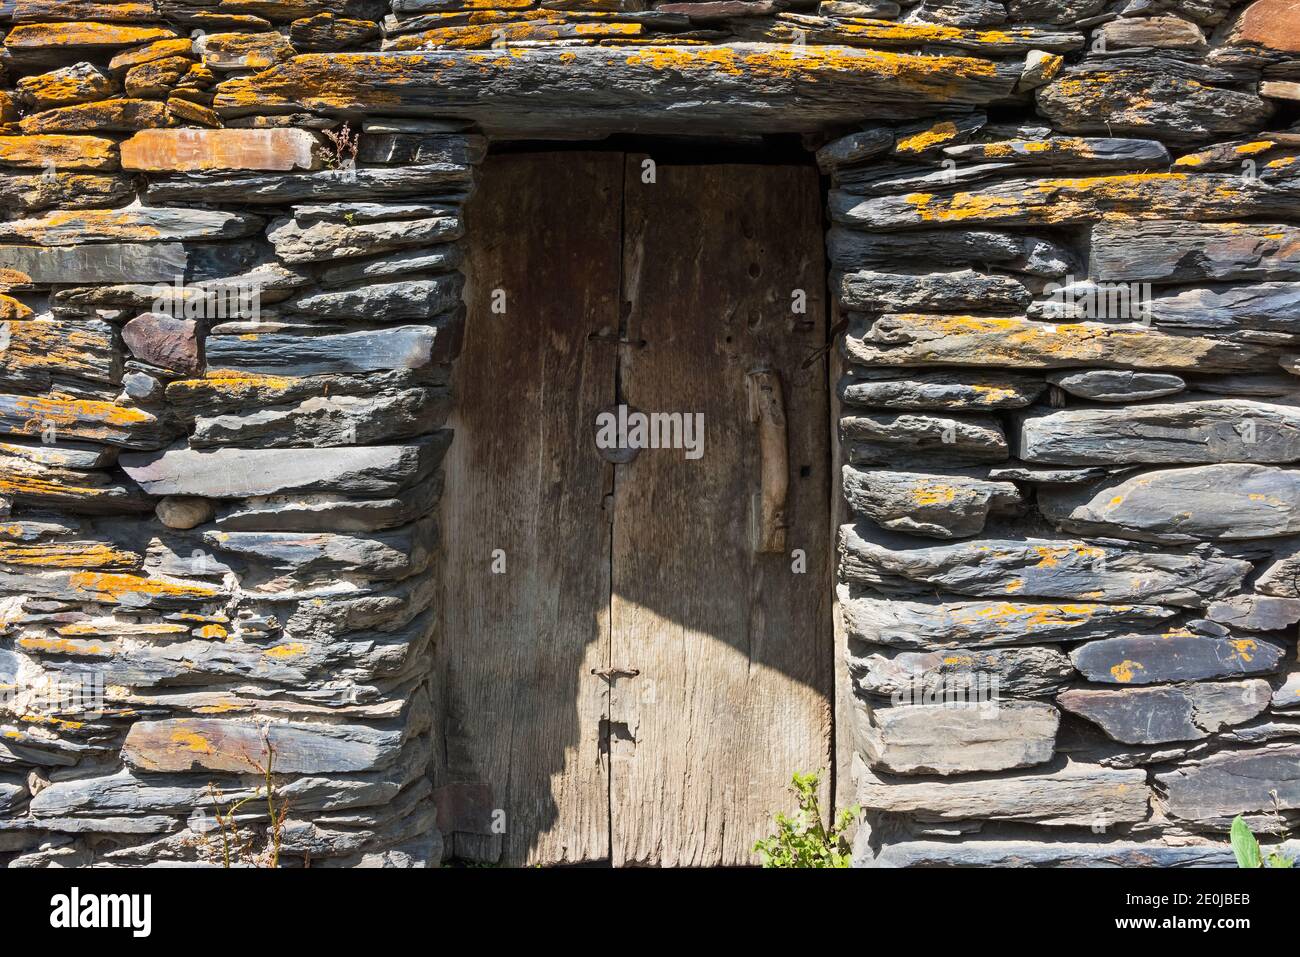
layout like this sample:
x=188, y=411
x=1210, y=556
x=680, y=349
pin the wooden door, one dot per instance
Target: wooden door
x=640, y=684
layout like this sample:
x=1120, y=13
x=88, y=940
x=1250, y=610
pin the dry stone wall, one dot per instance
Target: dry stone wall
x=1063, y=241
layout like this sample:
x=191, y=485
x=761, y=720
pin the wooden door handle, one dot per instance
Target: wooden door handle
x=767, y=411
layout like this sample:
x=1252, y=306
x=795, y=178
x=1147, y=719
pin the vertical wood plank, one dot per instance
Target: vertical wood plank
x=731, y=649
x=522, y=710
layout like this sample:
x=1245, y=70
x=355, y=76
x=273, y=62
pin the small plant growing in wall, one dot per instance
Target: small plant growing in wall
x=228, y=844
x=1247, y=849
x=346, y=143
x=803, y=839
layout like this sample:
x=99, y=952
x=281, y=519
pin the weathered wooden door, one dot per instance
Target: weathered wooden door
x=636, y=656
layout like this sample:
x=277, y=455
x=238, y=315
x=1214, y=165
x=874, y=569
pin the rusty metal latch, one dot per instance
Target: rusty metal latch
x=615, y=672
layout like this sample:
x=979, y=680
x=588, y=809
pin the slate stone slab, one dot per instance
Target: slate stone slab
x=165, y=151
x=939, y=739
x=1171, y=432
x=112, y=588
x=1065, y=201
x=108, y=262
x=1142, y=660
x=1167, y=251
x=1081, y=795
x=320, y=241
x=1235, y=782
x=1066, y=153
x=404, y=300
x=739, y=87
x=1117, y=385
x=993, y=853
x=365, y=183
x=1269, y=306
x=328, y=420
x=1168, y=713
x=85, y=420
x=131, y=225
x=1214, y=502
x=924, y=677
x=1013, y=252
x=400, y=347
x=1148, y=103
x=906, y=339
x=185, y=744
x=941, y=291
x=933, y=505
x=940, y=390
x=1038, y=568
x=240, y=473
x=418, y=148
x=908, y=438
x=1255, y=612
x=933, y=625
x=327, y=513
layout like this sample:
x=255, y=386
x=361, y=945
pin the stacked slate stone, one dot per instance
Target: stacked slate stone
x=219, y=543
x=222, y=392
x=1072, y=436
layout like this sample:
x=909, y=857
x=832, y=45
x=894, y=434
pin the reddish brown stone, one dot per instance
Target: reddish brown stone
x=163, y=341
x=169, y=151
x=1274, y=24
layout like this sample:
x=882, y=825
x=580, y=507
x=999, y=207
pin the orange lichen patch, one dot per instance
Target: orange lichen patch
x=476, y=36
x=224, y=707
x=113, y=627
x=212, y=632
x=958, y=660
x=937, y=135
x=40, y=346
x=119, y=224
x=53, y=722
x=1244, y=648
x=290, y=650
x=157, y=50
x=40, y=36
x=71, y=415
x=230, y=384
x=249, y=51
x=119, y=114
x=1125, y=670
x=361, y=81
x=64, y=646
x=67, y=555
x=191, y=741
x=994, y=393
x=11, y=308
x=115, y=587
x=1034, y=616
x=64, y=152
x=933, y=494
x=1015, y=585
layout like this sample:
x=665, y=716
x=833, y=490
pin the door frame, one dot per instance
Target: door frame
x=755, y=151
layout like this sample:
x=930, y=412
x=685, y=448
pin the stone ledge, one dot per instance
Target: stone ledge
x=745, y=87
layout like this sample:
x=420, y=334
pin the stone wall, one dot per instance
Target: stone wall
x=220, y=543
